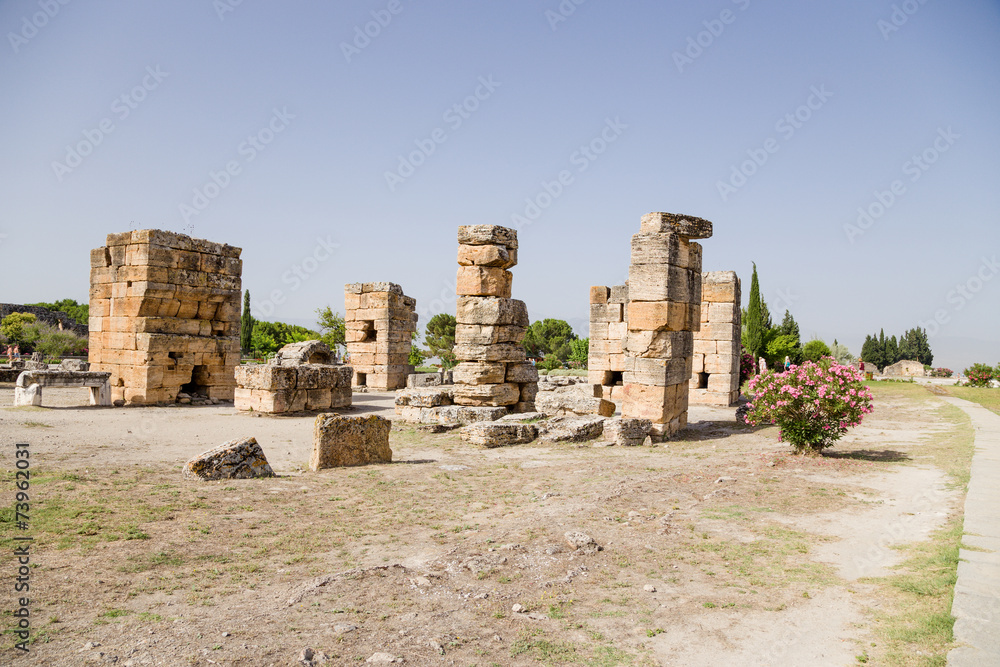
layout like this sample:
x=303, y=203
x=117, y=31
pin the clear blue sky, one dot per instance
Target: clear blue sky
x=184, y=86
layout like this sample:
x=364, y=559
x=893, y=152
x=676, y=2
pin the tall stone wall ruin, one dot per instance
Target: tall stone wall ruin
x=492, y=369
x=379, y=321
x=715, y=373
x=664, y=310
x=608, y=331
x=164, y=316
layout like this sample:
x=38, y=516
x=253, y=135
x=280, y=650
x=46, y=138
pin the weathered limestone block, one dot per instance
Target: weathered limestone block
x=523, y=372
x=658, y=404
x=266, y=376
x=499, y=433
x=654, y=315
x=572, y=400
x=491, y=311
x=500, y=352
x=415, y=380
x=659, y=372
x=349, y=441
x=242, y=458
x=305, y=352
x=425, y=397
x=487, y=255
x=572, y=428
x=483, y=281
x=487, y=394
x=487, y=235
x=684, y=225
x=626, y=432
x=660, y=343
x=480, y=372
x=479, y=334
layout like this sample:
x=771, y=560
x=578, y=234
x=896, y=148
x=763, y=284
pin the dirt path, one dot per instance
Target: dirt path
x=717, y=548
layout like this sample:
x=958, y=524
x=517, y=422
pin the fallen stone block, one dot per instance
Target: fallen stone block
x=581, y=542
x=349, y=441
x=571, y=429
x=237, y=459
x=425, y=397
x=499, y=433
x=573, y=400
x=626, y=431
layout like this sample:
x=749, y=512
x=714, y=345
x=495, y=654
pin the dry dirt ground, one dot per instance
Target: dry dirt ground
x=719, y=548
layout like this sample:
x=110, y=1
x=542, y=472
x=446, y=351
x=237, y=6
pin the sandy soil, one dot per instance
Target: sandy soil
x=717, y=548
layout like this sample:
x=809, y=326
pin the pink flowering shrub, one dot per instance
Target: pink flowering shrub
x=814, y=403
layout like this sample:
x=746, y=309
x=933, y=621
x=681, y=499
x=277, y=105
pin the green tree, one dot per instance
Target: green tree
x=869, y=351
x=439, y=336
x=332, y=327
x=549, y=337
x=246, y=325
x=15, y=329
x=755, y=320
x=815, y=350
x=905, y=351
x=781, y=346
x=841, y=353
x=417, y=355
x=579, y=351
x=269, y=337
x=78, y=311
x=891, y=351
x=52, y=342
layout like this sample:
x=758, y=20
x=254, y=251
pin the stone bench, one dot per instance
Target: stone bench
x=28, y=389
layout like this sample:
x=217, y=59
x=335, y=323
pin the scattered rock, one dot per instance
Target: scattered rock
x=499, y=434
x=344, y=628
x=237, y=459
x=381, y=658
x=517, y=609
x=725, y=479
x=567, y=400
x=582, y=542
x=311, y=658
x=649, y=588
x=349, y=441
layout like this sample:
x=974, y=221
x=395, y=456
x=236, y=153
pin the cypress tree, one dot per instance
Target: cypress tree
x=246, y=324
x=755, y=319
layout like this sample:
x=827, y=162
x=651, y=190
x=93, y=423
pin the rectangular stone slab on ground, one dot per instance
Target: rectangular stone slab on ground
x=349, y=441
x=242, y=458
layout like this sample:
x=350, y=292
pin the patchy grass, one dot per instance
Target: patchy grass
x=987, y=397
x=915, y=629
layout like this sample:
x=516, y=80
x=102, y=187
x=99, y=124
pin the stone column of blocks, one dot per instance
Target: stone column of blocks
x=715, y=372
x=380, y=321
x=164, y=316
x=490, y=325
x=664, y=310
x=608, y=330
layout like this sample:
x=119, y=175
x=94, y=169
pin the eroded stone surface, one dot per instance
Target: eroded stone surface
x=349, y=441
x=242, y=458
x=499, y=433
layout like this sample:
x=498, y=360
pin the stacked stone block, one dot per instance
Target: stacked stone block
x=492, y=369
x=380, y=321
x=301, y=376
x=664, y=310
x=715, y=372
x=608, y=330
x=164, y=316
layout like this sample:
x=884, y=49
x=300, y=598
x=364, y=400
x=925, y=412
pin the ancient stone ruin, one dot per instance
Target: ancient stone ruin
x=664, y=310
x=350, y=441
x=301, y=376
x=715, y=378
x=905, y=368
x=242, y=458
x=492, y=369
x=608, y=331
x=164, y=316
x=380, y=321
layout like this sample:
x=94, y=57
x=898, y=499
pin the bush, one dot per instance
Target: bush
x=979, y=375
x=941, y=373
x=53, y=342
x=747, y=367
x=813, y=403
x=815, y=350
x=551, y=363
